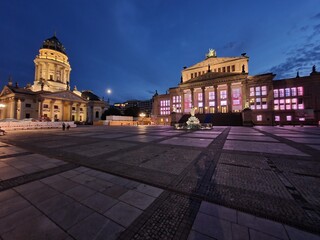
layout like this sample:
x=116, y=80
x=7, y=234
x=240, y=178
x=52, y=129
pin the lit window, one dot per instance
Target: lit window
x=199, y=96
x=251, y=92
x=293, y=92
x=164, y=107
x=200, y=104
x=277, y=118
x=302, y=119
x=211, y=95
x=287, y=92
x=211, y=104
x=264, y=90
x=300, y=91
x=264, y=103
x=259, y=118
x=281, y=104
x=294, y=103
x=289, y=118
x=258, y=91
x=276, y=104
x=275, y=93
x=281, y=92
x=258, y=103
x=224, y=103
x=223, y=94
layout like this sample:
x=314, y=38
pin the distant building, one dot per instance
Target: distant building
x=145, y=106
x=222, y=85
x=50, y=97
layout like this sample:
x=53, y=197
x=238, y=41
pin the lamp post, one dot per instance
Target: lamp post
x=142, y=116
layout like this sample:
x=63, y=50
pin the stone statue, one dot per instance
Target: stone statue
x=192, y=111
x=211, y=53
x=314, y=68
x=174, y=109
x=243, y=71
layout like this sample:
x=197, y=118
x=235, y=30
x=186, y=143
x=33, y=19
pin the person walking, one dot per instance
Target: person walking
x=63, y=126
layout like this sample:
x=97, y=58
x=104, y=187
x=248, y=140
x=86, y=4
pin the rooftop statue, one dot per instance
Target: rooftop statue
x=211, y=53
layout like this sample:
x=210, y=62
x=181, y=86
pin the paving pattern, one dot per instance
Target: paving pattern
x=153, y=182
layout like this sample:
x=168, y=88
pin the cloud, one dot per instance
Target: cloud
x=301, y=59
x=302, y=56
x=317, y=16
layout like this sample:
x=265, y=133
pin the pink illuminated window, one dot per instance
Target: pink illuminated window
x=275, y=93
x=300, y=91
x=211, y=95
x=281, y=92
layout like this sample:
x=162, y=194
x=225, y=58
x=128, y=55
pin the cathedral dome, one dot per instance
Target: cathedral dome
x=54, y=44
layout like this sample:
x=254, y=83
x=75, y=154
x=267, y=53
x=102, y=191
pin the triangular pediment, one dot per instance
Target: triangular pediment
x=6, y=91
x=214, y=61
x=64, y=95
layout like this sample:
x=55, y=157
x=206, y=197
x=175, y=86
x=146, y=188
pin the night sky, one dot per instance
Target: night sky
x=135, y=47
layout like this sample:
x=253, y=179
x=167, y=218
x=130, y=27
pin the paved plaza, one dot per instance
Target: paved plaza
x=154, y=182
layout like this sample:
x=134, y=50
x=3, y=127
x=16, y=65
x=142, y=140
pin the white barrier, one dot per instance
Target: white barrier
x=7, y=126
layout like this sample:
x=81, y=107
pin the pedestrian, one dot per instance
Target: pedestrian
x=68, y=126
x=63, y=126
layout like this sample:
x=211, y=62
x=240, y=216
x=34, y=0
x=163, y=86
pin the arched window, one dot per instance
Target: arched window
x=97, y=114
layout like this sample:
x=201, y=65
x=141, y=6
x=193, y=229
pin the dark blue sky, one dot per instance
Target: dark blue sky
x=135, y=47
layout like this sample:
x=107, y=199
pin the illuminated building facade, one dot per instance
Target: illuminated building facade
x=50, y=97
x=222, y=85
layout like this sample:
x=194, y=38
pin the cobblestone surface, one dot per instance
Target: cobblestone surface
x=271, y=175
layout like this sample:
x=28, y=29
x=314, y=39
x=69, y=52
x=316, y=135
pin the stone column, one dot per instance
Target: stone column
x=14, y=108
x=47, y=73
x=215, y=98
x=204, y=99
x=244, y=94
x=77, y=117
x=182, y=102
x=70, y=117
x=55, y=72
x=229, y=98
x=62, y=111
x=40, y=109
x=52, y=110
x=192, y=97
x=36, y=72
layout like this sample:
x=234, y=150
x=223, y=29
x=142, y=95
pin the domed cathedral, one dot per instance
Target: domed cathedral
x=52, y=68
x=50, y=97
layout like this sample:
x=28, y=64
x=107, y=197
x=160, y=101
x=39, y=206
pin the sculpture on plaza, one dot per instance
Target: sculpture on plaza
x=193, y=122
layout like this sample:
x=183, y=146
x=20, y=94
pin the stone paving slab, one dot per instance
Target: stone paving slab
x=160, y=188
x=264, y=147
x=217, y=222
x=184, y=141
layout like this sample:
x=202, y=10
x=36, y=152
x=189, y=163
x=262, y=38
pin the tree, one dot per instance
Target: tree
x=111, y=111
x=132, y=111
